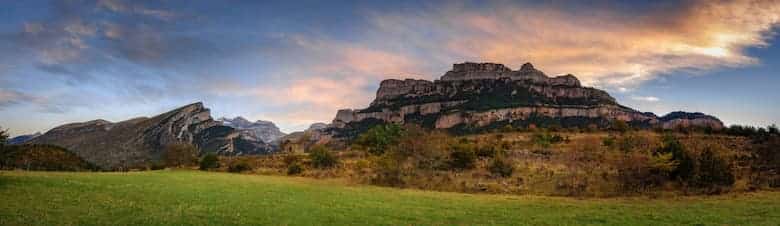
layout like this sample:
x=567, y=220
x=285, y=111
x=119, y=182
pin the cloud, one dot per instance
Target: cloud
x=602, y=47
x=92, y=34
x=9, y=98
x=606, y=48
x=645, y=98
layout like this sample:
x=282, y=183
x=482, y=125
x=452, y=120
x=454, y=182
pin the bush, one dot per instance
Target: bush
x=713, y=171
x=501, y=167
x=377, y=139
x=239, y=166
x=620, y=126
x=322, y=158
x=684, y=168
x=180, y=154
x=463, y=156
x=294, y=169
x=209, y=161
x=640, y=171
x=157, y=166
x=546, y=139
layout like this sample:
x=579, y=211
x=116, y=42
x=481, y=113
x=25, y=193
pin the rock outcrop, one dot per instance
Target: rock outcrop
x=263, y=130
x=475, y=96
x=141, y=141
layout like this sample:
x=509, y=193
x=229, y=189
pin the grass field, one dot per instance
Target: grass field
x=201, y=198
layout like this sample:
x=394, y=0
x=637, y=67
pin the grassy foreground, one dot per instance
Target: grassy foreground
x=200, y=198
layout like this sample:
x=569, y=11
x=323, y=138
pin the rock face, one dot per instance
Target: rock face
x=140, y=141
x=474, y=96
x=23, y=138
x=263, y=130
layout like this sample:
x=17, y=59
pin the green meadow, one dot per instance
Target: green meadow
x=173, y=197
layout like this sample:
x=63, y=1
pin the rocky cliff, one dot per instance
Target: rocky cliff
x=263, y=130
x=474, y=96
x=140, y=141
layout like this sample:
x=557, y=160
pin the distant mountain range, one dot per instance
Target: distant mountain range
x=142, y=141
x=23, y=138
x=263, y=130
x=471, y=97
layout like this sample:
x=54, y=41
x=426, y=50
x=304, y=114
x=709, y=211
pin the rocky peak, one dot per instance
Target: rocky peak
x=479, y=67
x=317, y=126
x=264, y=130
x=474, y=95
x=527, y=67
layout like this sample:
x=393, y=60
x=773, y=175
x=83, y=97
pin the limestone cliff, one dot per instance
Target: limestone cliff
x=138, y=142
x=475, y=96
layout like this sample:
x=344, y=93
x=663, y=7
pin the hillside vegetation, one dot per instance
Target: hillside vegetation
x=199, y=198
x=558, y=162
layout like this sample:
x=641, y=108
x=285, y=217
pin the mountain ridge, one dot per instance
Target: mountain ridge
x=266, y=131
x=488, y=95
x=141, y=141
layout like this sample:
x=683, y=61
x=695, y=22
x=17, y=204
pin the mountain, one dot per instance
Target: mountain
x=141, y=141
x=263, y=130
x=23, y=138
x=478, y=96
x=317, y=126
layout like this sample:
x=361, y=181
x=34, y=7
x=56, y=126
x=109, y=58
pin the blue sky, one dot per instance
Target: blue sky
x=297, y=62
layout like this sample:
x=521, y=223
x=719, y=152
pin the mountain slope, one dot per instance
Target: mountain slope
x=263, y=130
x=476, y=96
x=23, y=138
x=137, y=142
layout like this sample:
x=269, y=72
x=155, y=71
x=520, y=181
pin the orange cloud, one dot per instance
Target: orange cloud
x=605, y=48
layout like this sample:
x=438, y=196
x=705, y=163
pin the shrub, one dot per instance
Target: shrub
x=684, y=168
x=209, y=161
x=291, y=158
x=628, y=143
x=294, y=169
x=641, y=171
x=462, y=156
x=501, y=167
x=377, y=139
x=493, y=146
x=322, y=158
x=546, y=139
x=773, y=129
x=180, y=154
x=157, y=166
x=609, y=141
x=239, y=166
x=389, y=170
x=620, y=126
x=713, y=170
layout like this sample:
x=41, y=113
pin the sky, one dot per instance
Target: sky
x=298, y=62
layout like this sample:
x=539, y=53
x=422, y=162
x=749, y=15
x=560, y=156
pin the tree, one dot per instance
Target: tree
x=713, y=170
x=620, y=126
x=321, y=157
x=500, y=166
x=3, y=137
x=377, y=139
x=180, y=154
x=773, y=129
x=685, y=163
x=209, y=161
x=463, y=156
